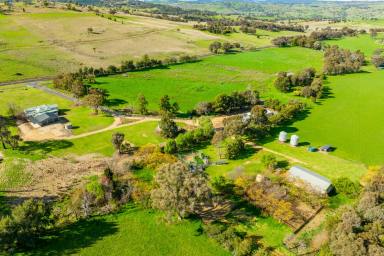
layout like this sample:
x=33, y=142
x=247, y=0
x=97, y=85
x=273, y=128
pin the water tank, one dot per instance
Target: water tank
x=294, y=140
x=283, y=136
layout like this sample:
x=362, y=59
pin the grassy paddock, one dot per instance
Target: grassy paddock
x=130, y=232
x=350, y=119
x=191, y=83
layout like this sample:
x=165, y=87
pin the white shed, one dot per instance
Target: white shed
x=316, y=181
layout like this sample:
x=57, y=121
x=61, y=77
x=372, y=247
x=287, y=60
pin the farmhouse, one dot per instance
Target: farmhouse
x=316, y=181
x=42, y=115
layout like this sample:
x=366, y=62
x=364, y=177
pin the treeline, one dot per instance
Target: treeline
x=252, y=25
x=304, y=83
x=342, y=61
x=226, y=26
x=313, y=41
x=374, y=31
x=216, y=47
x=222, y=26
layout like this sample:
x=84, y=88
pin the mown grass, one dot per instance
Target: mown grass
x=131, y=232
x=191, y=83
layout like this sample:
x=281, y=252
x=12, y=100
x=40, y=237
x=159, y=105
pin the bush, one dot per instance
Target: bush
x=269, y=161
x=233, y=147
x=347, y=187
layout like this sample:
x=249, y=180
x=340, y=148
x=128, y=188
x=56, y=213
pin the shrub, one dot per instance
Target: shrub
x=347, y=187
x=233, y=147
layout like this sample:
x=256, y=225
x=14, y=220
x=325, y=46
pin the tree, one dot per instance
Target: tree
x=378, y=58
x=78, y=88
x=168, y=127
x=234, y=125
x=227, y=47
x=234, y=146
x=4, y=132
x=166, y=106
x=143, y=103
x=24, y=225
x=204, y=108
x=269, y=161
x=170, y=147
x=179, y=192
x=283, y=82
x=215, y=47
x=95, y=99
x=117, y=140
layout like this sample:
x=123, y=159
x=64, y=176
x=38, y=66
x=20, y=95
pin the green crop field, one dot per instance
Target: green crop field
x=191, y=83
x=131, y=232
x=82, y=118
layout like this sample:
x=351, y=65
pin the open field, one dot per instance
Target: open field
x=82, y=118
x=351, y=119
x=364, y=43
x=191, y=83
x=44, y=41
x=131, y=232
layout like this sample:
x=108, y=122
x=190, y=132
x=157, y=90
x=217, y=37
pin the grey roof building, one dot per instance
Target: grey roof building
x=316, y=181
x=42, y=115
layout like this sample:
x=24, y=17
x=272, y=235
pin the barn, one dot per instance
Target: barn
x=316, y=181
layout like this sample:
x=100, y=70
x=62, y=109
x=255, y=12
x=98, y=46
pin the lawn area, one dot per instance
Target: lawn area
x=351, y=119
x=82, y=118
x=191, y=83
x=132, y=232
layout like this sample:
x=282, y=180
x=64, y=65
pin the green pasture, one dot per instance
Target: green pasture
x=364, y=43
x=191, y=83
x=131, y=232
x=350, y=119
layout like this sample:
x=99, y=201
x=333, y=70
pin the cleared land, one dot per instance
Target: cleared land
x=43, y=41
x=191, y=83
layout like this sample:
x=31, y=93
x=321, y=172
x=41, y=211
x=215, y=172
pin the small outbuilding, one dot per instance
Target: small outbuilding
x=42, y=115
x=294, y=140
x=316, y=181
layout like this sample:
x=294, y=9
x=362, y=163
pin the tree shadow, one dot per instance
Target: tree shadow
x=247, y=152
x=74, y=237
x=115, y=102
x=44, y=147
